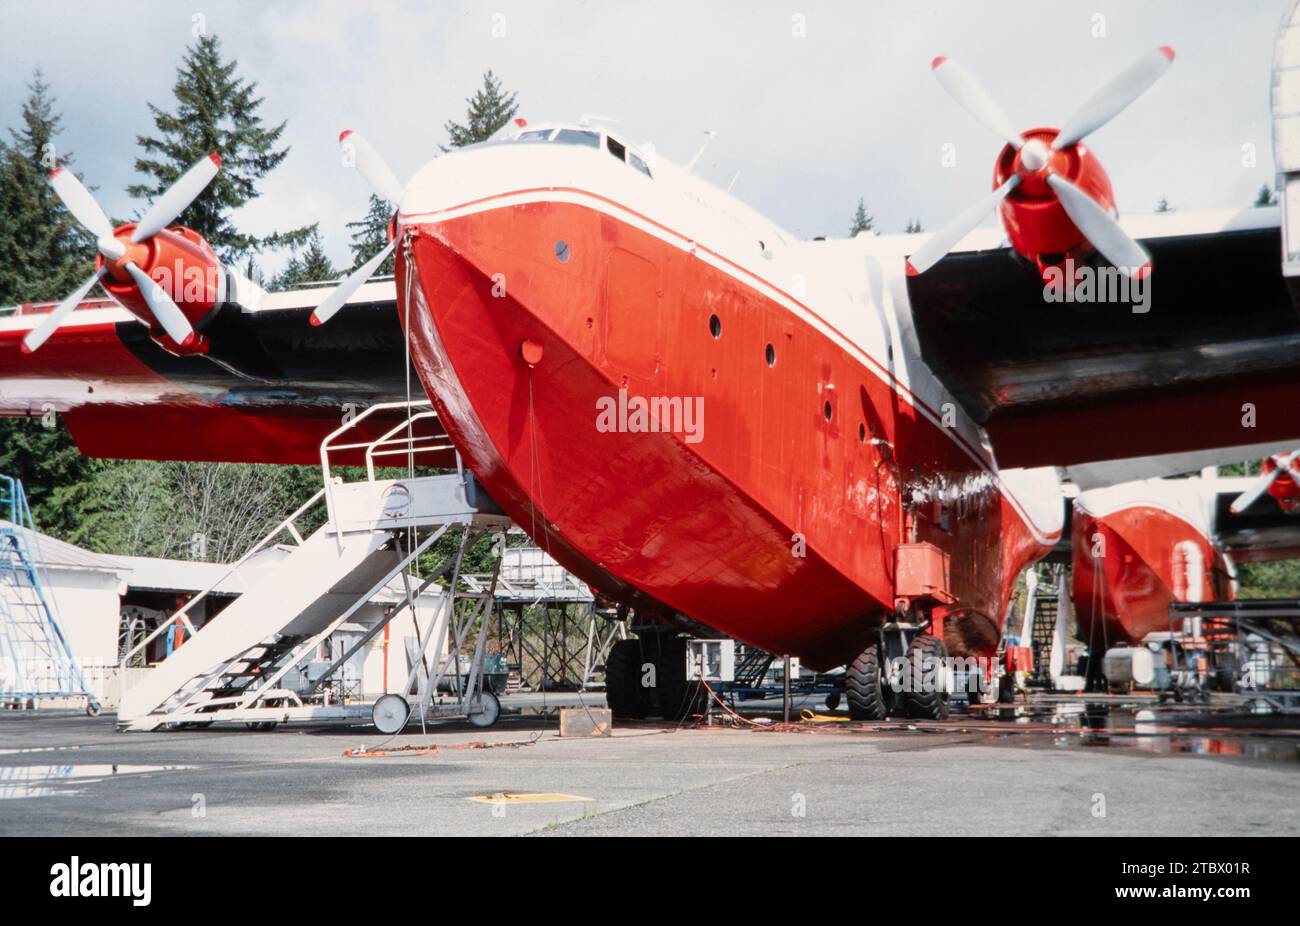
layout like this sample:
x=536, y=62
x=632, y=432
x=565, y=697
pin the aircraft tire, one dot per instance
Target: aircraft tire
x=623, y=691
x=927, y=705
x=679, y=697
x=863, y=687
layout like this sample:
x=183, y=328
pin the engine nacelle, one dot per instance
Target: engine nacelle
x=179, y=260
x=1035, y=221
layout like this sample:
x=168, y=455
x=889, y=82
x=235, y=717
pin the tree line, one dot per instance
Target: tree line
x=210, y=511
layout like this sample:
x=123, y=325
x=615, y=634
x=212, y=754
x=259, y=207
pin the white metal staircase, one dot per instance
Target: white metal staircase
x=231, y=668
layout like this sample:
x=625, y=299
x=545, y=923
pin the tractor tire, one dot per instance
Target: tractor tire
x=1006, y=690
x=926, y=705
x=623, y=692
x=863, y=687
x=678, y=698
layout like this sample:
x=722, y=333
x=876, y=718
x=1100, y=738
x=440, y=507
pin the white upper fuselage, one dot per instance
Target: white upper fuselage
x=852, y=291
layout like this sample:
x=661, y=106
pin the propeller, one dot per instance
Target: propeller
x=1115, y=97
x=1266, y=480
x=942, y=241
x=380, y=176
x=1035, y=160
x=1100, y=228
x=972, y=97
x=87, y=211
x=343, y=292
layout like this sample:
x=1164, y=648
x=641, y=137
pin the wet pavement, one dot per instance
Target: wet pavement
x=1101, y=765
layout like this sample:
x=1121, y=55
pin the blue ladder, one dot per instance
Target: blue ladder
x=35, y=659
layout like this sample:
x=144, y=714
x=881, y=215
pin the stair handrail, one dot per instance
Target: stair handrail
x=182, y=614
x=328, y=445
x=405, y=445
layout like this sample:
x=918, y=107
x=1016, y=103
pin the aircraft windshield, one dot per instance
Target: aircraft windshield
x=587, y=139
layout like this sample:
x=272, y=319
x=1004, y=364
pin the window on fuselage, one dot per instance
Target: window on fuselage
x=577, y=137
x=638, y=164
x=535, y=135
x=616, y=148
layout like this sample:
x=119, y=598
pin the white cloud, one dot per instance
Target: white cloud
x=811, y=123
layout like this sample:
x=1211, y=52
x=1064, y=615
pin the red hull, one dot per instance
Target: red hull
x=711, y=528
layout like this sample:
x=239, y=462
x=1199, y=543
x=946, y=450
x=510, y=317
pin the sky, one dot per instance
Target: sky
x=814, y=103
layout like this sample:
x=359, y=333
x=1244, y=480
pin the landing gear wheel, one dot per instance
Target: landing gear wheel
x=928, y=705
x=864, y=688
x=484, y=709
x=623, y=691
x=93, y=708
x=1006, y=690
x=390, y=714
x=679, y=698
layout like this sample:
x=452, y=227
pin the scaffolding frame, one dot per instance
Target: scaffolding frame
x=36, y=661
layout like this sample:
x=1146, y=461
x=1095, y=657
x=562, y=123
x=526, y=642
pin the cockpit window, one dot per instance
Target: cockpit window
x=587, y=139
x=576, y=137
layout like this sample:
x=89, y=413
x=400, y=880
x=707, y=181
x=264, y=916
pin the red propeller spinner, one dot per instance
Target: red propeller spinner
x=1051, y=193
x=144, y=265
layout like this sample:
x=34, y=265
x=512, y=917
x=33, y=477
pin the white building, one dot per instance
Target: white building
x=106, y=604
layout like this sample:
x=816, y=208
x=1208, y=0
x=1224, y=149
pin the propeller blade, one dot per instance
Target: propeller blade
x=972, y=97
x=179, y=195
x=169, y=315
x=1254, y=493
x=942, y=241
x=1100, y=229
x=1114, y=98
x=80, y=203
x=38, y=335
x=334, y=301
x=373, y=167
x=1261, y=485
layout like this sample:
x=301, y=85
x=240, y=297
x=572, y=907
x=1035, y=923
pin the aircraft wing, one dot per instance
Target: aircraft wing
x=1206, y=370
x=269, y=390
x=1264, y=531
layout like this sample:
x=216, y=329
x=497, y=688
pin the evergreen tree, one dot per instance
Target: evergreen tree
x=216, y=110
x=43, y=256
x=1265, y=197
x=1162, y=205
x=55, y=475
x=913, y=227
x=861, y=220
x=370, y=235
x=489, y=109
x=312, y=265
x=44, y=253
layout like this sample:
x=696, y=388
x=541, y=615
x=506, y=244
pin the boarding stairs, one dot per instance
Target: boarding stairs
x=375, y=529
x=1043, y=637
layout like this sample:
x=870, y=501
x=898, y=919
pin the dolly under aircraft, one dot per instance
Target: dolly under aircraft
x=885, y=420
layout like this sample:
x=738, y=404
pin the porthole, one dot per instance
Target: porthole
x=562, y=251
x=862, y=433
x=715, y=326
x=826, y=410
x=770, y=354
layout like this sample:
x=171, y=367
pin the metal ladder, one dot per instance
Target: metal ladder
x=35, y=659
